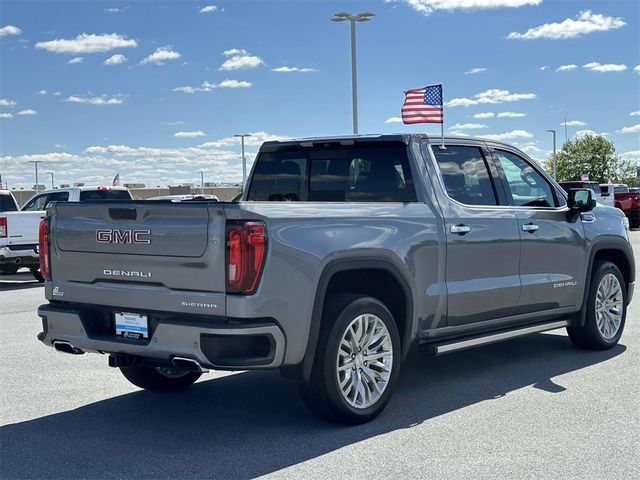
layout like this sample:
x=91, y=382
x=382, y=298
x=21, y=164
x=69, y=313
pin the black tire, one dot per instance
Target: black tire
x=9, y=269
x=589, y=336
x=321, y=393
x=37, y=275
x=151, y=378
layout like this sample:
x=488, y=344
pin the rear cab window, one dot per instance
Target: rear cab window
x=371, y=172
x=7, y=204
x=104, y=194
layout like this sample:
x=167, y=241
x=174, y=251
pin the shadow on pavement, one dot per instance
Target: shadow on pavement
x=250, y=424
x=18, y=281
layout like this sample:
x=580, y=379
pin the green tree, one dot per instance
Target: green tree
x=594, y=155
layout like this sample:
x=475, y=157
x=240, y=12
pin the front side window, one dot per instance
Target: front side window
x=36, y=203
x=527, y=187
x=465, y=175
x=362, y=173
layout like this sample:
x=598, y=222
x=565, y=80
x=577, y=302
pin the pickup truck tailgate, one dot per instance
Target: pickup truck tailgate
x=147, y=248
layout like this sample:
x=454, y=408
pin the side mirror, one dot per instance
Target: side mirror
x=581, y=200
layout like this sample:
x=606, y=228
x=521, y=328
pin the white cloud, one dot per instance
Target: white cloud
x=632, y=129
x=28, y=111
x=160, y=56
x=586, y=22
x=6, y=115
x=607, y=67
x=491, y=96
x=509, y=135
x=293, y=69
x=234, y=84
x=544, y=67
x=239, y=59
x=511, y=115
x=528, y=147
x=583, y=133
x=42, y=92
x=484, y=115
x=208, y=86
x=256, y=139
x=566, y=68
x=208, y=9
x=636, y=69
x=467, y=126
x=87, y=43
x=234, y=51
x=116, y=59
x=116, y=9
x=473, y=71
x=192, y=134
x=6, y=102
x=574, y=123
x=9, y=30
x=427, y=7
x=633, y=155
x=97, y=100
x=635, y=114
x=76, y=60
x=393, y=120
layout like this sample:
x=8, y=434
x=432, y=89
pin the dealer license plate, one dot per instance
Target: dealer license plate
x=132, y=325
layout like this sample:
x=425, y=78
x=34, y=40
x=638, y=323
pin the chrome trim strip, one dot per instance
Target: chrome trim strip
x=497, y=337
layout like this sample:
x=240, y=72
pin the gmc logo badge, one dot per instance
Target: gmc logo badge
x=123, y=236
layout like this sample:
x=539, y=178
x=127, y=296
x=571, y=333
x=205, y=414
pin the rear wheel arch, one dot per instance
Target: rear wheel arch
x=334, y=280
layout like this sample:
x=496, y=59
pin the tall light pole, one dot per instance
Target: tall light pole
x=36, y=162
x=359, y=17
x=51, y=173
x=202, y=182
x=554, y=153
x=244, y=160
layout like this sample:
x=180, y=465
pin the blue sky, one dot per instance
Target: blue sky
x=183, y=78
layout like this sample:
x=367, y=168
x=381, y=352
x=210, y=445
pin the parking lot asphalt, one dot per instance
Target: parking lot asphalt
x=535, y=407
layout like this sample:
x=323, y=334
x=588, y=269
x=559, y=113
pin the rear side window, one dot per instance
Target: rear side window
x=465, y=175
x=7, y=204
x=104, y=195
x=58, y=197
x=369, y=173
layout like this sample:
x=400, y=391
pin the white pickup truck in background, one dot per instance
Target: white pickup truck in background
x=19, y=228
x=18, y=237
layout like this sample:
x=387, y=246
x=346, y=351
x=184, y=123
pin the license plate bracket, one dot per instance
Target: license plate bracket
x=131, y=325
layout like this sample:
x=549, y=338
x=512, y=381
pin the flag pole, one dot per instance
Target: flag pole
x=442, y=147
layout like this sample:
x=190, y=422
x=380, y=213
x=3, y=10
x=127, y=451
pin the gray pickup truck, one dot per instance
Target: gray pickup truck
x=342, y=255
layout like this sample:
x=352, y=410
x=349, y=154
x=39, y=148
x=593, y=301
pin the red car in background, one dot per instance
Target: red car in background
x=627, y=201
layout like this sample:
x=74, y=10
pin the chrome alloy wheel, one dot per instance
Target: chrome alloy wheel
x=365, y=360
x=609, y=306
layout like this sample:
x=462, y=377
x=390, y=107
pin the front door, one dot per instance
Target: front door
x=553, y=258
x=483, y=243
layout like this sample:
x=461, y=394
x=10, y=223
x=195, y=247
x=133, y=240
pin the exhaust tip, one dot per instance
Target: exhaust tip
x=66, y=347
x=188, y=364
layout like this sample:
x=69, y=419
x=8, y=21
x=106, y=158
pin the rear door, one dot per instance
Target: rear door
x=553, y=259
x=483, y=243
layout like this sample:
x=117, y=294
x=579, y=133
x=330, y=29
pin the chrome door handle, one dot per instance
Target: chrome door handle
x=530, y=227
x=460, y=229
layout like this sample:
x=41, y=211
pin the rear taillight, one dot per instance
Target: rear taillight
x=43, y=247
x=246, y=252
x=3, y=227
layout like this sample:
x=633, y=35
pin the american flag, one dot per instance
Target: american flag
x=423, y=105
